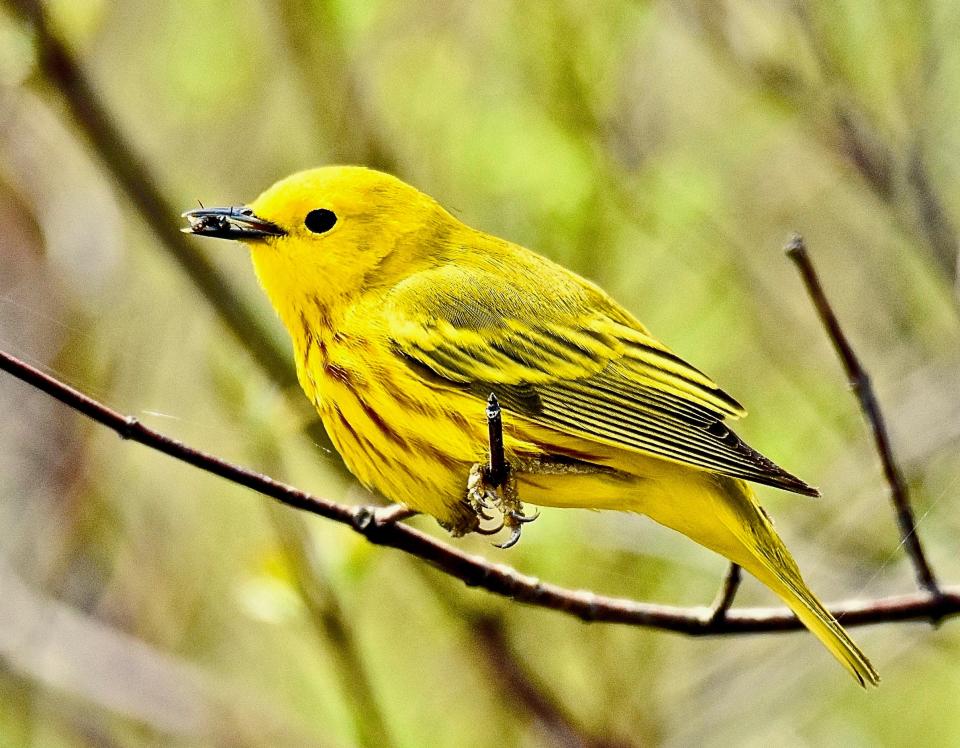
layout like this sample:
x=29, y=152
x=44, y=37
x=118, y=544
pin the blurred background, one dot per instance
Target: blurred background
x=663, y=149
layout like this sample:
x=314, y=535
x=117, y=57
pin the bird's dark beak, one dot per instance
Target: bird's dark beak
x=229, y=223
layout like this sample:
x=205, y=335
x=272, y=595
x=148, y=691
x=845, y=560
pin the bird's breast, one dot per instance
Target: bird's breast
x=397, y=435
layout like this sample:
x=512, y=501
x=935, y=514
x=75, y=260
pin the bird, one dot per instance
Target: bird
x=404, y=321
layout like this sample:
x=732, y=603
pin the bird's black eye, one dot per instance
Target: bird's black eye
x=320, y=220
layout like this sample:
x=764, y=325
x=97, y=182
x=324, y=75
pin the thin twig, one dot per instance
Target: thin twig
x=478, y=572
x=62, y=70
x=860, y=384
x=395, y=513
x=726, y=594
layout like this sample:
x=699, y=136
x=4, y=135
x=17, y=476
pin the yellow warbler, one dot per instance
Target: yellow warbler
x=403, y=320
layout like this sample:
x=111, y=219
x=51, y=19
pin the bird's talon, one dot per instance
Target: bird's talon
x=522, y=518
x=482, y=497
x=512, y=540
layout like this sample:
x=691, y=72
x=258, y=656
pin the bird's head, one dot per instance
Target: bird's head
x=325, y=235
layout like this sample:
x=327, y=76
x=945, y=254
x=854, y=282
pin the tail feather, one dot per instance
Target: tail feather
x=784, y=579
x=718, y=512
x=769, y=561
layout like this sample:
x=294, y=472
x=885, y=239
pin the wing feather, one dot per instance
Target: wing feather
x=586, y=369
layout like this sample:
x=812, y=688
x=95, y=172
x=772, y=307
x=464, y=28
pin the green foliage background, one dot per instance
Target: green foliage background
x=663, y=149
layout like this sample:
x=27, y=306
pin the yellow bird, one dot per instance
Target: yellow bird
x=404, y=320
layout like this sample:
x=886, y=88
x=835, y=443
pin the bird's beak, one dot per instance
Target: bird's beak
x=230, y=223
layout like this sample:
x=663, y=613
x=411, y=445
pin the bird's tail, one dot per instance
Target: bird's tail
x=718, y=512
x=811, y=612
x=767, y=558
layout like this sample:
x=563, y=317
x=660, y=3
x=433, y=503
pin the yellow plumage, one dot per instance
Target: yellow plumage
x=403, y=320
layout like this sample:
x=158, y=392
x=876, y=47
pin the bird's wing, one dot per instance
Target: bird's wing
x=573, y=361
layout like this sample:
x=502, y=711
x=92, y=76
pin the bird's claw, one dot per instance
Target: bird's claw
x=512, y=540
x=481, y=496
x=523, y=518
x=515, y=519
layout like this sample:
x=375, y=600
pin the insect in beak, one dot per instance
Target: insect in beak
x=237, y=222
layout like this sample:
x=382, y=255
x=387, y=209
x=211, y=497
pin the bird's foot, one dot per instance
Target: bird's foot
x=484, y=497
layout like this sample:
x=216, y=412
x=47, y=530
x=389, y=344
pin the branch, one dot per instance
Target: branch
x=860, y=384
x=726, y=594
x=62, y=70
x=377, y=526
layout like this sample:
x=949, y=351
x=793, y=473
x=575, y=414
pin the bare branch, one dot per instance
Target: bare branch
x=375, y=525
x=860, y=384
x=62, y=70
x=726, y=594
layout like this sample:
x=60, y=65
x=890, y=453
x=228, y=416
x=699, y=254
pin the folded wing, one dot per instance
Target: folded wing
x=574, y=362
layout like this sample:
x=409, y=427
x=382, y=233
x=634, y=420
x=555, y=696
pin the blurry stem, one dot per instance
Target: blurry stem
x=103, y=674
x=63, y=72
x=478, y=572
x=899, y=179
x=322, y=604
x=331, y=84
x=859, y=382
x=329, y=619
x=519, y=687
